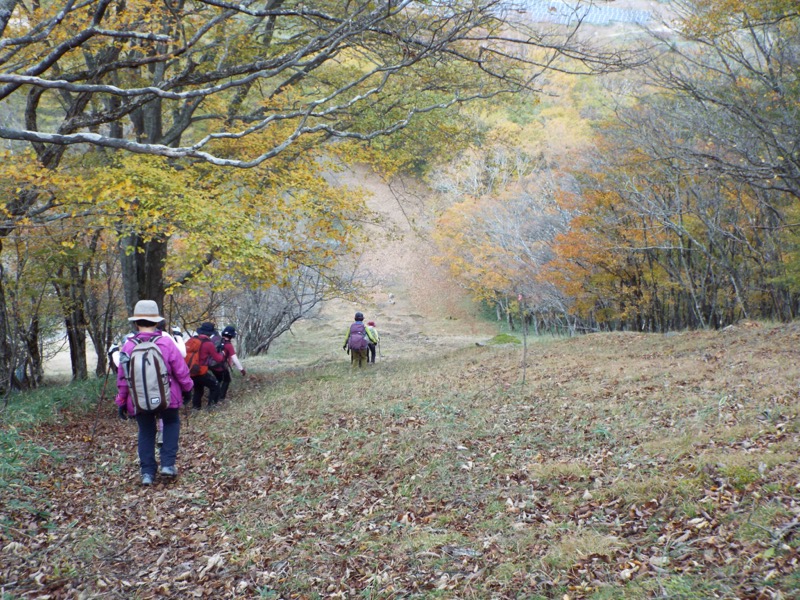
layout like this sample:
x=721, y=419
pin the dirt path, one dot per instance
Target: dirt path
x=416, y=306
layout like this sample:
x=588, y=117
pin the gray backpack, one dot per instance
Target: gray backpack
x=147, y=376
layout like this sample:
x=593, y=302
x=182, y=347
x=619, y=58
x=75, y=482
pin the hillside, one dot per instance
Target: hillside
x=628, y=466
x=416, y=306
x=607, y=466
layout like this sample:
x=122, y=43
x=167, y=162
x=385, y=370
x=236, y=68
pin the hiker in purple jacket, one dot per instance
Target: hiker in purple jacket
x=146, y=317
x=357, y=340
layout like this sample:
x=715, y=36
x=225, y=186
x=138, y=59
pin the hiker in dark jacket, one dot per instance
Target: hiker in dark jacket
x=222, y=371
x=357, y=341
x=208, y=352
x=145, y=317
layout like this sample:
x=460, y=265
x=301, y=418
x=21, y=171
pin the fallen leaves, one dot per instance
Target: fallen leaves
x=579, y=486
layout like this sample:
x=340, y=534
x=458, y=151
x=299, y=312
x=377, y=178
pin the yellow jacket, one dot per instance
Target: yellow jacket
x=372, y=334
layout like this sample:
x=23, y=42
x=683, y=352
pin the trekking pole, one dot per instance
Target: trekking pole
x=100, y=399
x=187, y=411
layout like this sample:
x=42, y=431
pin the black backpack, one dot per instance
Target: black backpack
x=216, y=339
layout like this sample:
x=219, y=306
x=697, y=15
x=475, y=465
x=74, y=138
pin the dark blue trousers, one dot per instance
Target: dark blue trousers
x=147, y=439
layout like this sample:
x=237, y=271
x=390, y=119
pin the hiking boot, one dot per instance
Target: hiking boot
x=169, y=472
x=159, y=439
x=147, y=479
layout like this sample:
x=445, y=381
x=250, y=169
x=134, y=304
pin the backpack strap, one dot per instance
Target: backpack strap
x=138, y=340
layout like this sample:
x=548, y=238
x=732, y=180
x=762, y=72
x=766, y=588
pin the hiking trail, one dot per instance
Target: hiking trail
x=416, y=306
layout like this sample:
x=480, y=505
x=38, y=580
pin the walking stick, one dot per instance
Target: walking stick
x=186, y=412
x=97, y=409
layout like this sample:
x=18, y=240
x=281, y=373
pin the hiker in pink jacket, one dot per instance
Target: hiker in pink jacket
x=145, y=317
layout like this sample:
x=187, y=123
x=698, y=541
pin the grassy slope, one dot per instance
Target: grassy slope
x=627, y=466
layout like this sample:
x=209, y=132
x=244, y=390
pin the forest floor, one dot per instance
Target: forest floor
x=625, y=465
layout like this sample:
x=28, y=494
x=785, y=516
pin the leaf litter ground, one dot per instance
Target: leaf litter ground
x=629, y=465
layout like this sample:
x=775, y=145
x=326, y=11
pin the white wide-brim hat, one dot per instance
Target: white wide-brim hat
x=146, y=310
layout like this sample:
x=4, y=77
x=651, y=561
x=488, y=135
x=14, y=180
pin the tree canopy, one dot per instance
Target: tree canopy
x=179, y=79
x=150, y=124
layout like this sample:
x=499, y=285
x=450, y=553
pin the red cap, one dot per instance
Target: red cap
x=371, y=323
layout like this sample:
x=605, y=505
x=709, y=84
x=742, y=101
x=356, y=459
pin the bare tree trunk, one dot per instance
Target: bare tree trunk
x=72, y=299
x=6, y=8
x=101, y=297
x=142, y=270
x=143, y=261
x=77, y=349
x=6, y=353
x=33, y=342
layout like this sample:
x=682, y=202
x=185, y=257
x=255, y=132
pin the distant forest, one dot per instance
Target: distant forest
x=661, y=197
